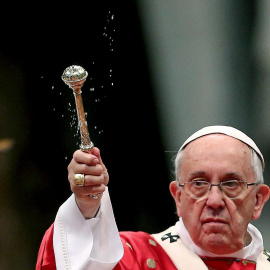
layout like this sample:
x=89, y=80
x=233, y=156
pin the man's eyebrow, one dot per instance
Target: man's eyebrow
x=197, y=174
x=233, y=175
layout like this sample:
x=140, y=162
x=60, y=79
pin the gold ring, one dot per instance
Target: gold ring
x=79, y=179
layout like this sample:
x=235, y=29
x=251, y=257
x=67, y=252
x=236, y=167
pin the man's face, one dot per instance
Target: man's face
x=216, y=223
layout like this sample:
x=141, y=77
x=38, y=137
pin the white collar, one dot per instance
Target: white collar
x=250, y=252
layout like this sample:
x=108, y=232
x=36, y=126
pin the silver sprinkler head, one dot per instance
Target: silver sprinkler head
x=74, y=76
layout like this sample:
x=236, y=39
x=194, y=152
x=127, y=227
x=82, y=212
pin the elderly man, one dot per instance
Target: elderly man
x=218, y=190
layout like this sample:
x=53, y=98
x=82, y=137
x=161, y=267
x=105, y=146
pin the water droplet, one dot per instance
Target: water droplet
x=112, y=17
x=52, y=87
x=92, y=89
x=112, y=84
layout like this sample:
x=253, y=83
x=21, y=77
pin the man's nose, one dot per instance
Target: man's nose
x=215, y=198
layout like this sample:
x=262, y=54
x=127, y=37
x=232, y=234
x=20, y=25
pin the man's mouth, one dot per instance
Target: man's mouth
x=215, y=221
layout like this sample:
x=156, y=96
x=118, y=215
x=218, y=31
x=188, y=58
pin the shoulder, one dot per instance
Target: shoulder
x=140, y=240
x=134, y=236
x=142, y=250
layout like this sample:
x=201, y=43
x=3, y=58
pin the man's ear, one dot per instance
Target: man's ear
x=176, y=193
x=262, y=197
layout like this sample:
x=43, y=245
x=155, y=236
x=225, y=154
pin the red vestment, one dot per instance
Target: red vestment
x=46, y=260
x=141, y=251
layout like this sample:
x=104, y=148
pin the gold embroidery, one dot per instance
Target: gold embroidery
x=152, y=242
x=245, y=262
x=129, y=245
x=151, y=263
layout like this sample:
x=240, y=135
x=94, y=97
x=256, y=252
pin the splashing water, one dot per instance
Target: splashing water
x=108, y=36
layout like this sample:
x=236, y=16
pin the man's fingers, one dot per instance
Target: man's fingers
x=93, y=180
x=85, y=191
x=85, y=158
x=85, y=169
x=96, y=152
x=91, y=166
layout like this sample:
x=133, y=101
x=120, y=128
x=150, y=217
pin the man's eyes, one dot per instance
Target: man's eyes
x=231, y=183
x=199, y=183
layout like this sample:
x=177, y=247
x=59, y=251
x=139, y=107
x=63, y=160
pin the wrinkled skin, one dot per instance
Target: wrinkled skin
x=216, y=223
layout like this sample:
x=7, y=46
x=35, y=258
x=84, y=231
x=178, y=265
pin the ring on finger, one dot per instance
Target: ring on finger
x=79, y=179
x=94, y=195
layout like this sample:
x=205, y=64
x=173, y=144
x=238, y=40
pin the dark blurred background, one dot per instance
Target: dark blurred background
x=157, y=72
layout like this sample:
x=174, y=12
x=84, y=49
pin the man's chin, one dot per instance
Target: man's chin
x=218, y=244
x=215, y=228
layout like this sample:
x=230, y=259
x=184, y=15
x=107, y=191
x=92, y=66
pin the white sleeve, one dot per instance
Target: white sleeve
x=86, y=244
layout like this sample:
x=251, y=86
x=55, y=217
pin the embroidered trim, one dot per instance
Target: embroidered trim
x=228, y=260
x=173, y=238
x=267, y=255
x=180, y=255
x=64, y=246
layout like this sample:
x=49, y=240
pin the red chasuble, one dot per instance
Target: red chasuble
x=229, y=264
x=46, y=260
x=141, y=251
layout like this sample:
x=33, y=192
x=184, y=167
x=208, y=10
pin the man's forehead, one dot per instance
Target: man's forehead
x=225, y=130
x=217, y=140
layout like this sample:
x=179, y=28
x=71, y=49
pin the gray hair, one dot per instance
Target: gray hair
x=256, y=164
